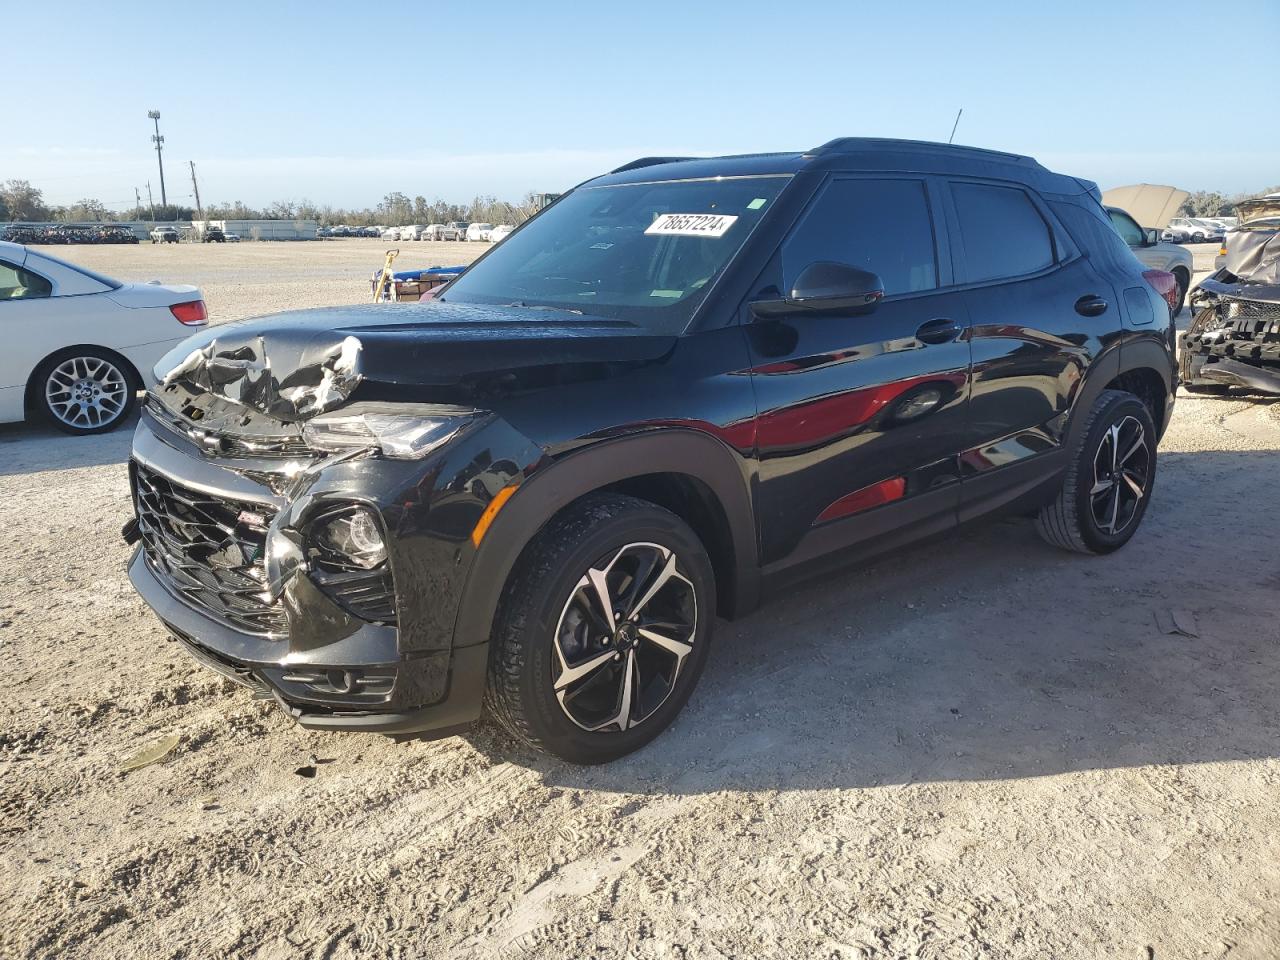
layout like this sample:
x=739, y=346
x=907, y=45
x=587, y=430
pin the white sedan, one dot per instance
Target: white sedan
x=500, y=232
x=79, y=346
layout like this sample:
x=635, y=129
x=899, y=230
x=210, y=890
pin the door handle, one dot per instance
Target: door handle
x=942, y=330
x=1091, y=305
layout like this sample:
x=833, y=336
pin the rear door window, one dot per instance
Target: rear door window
x=1002, y=234
x=879, y=225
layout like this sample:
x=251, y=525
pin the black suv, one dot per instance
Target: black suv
x=678, y=387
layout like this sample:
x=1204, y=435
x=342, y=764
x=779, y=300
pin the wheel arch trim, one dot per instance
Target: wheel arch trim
x=553, y=487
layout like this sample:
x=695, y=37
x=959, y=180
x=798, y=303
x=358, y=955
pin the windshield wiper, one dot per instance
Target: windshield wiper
x=542, y=306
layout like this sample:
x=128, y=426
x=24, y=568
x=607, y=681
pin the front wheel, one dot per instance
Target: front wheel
x=1108, y=485
x=603, y=630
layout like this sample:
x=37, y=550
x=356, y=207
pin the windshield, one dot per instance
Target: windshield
x=646, y=252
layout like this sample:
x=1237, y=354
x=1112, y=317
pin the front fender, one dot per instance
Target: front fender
x=552, y=487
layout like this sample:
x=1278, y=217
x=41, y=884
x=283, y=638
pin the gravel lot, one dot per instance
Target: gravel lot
x=981, y=747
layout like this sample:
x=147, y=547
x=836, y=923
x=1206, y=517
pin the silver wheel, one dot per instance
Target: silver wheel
x=86, y=393
x=623, y=636
x=1121, y=472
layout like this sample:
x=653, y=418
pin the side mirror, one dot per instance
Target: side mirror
x=1152, y=237
x=826, y=286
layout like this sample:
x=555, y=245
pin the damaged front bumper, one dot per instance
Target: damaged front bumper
x=1234, y=338
x=224, y=563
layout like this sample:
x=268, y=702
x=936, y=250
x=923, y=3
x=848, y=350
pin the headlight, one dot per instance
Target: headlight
x=400, y=431
x=354, y=536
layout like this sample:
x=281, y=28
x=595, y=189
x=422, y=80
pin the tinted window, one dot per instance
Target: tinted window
x=878, y=225
x=1001, y=232
x=19, y=284
x=1129, y=231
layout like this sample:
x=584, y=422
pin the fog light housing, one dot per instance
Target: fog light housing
x=353, y=535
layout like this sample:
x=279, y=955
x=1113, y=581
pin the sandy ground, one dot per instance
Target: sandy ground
x=981, y=747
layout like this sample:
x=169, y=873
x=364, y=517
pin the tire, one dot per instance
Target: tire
x=551, y=623
x=85, y=391
x=1197, y=238
x=1086, y=516
x=1183, y=281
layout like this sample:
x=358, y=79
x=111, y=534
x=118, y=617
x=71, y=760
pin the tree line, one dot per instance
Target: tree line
x=20, y=201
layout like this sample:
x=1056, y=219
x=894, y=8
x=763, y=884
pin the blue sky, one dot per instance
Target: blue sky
x=342, y=103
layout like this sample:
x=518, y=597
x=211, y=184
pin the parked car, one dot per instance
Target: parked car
x=79, y=345
x=1234, y=336
x=231, y=237
x=1155, y=253
x=391, y=233
x=433, y=231
x=478, y=231
x=412, y=232
x=164, y=235
x=213, y=235
x=681, y=387
x=500, y=232
x=1192, y=230
x=455, y=230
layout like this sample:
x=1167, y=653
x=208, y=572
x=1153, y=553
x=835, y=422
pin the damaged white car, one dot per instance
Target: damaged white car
x=1234, y=339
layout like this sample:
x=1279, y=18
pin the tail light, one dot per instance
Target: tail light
x=191, y=314
x=1165, y=284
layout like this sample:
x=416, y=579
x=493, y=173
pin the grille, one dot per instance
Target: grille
x=200, y=546
x=1242, y=329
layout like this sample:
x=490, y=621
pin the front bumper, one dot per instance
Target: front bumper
x=327, y=667
x=308, y=686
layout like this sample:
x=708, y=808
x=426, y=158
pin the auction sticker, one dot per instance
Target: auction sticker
x=690, y=225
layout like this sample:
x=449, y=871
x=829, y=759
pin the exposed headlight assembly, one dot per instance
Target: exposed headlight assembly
x=396, y=430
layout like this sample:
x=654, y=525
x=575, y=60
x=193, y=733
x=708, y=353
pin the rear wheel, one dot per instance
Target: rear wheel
x=1108, y=485
x=603, y=631
x=86, y=391
x=1182, y=280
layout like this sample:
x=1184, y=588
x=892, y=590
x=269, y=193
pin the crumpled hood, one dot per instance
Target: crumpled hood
x=293, y=366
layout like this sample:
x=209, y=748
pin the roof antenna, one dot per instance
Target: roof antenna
x=954, y=125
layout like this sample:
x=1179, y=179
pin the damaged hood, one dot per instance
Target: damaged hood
x=1253, y=248
x=293, y=366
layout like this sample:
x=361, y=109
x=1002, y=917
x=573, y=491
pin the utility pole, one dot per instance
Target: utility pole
x=159, y=142
x=196, y=188
x=137, y=207
x=151, y=200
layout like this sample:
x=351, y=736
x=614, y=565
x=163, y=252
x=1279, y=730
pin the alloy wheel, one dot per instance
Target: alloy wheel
x=1121, y=474
x=86, y=392
x=623, y=636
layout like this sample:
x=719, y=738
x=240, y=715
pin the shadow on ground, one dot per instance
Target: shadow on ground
x=38, y=448
x=990, y=655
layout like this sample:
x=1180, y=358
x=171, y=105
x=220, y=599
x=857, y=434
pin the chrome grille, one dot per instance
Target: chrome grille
x=207, y=554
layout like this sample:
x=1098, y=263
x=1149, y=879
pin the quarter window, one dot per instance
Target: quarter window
x=19, y=284
x=879, y=225
x=1001, y=232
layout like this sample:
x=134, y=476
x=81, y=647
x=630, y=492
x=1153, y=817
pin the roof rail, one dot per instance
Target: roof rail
x=648, y=162
x=854, y=144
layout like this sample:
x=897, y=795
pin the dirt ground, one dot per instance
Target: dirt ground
x=978, y=748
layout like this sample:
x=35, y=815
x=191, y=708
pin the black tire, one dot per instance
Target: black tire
x=1183, y=281
x=540, y=601
x=1071, y=521
x=51, y=391
x=1197, y=238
